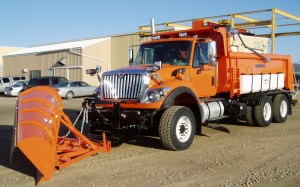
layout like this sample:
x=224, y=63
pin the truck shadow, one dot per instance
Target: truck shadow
x=20, y=162
x=148, y=141
x=154, y=142
x=224, y=124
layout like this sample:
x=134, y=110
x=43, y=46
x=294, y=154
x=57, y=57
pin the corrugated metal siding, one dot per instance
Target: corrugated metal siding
x=44, y=62
x=5, y=51
x=61, y=73
x=114, y=50
x=14, y=65
x=119, y=48
x=74, y=73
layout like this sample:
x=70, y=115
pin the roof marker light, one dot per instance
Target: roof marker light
x=156, y=37
x=182, y=34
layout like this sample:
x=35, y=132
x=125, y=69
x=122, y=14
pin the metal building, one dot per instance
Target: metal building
x=71, y=59
x=4, y=50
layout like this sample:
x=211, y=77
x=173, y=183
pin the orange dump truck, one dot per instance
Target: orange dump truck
x=183, y=79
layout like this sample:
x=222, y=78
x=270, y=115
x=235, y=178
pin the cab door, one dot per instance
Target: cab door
x=203, y=76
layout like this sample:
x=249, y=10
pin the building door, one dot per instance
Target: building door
x=34, y=73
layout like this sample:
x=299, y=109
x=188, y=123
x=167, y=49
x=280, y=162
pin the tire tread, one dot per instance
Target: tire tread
x=167, y=131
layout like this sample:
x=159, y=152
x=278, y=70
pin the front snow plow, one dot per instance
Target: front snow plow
x=39, y=116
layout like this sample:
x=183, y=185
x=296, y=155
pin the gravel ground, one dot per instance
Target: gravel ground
x=224, y=155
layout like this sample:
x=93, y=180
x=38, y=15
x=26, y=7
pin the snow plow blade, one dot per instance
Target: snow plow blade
x=39, y=115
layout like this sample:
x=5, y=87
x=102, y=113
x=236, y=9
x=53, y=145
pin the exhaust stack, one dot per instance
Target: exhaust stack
x=152, y=26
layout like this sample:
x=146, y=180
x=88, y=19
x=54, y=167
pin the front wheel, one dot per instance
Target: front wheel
x=177, y=128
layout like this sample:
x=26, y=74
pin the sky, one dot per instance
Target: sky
x=26, y=23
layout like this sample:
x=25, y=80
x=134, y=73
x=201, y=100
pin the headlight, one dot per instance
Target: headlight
x=151, y=96
x=98, y=94
x=155, y=94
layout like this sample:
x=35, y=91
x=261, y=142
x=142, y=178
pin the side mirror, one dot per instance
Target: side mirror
x=212, y=53
x=130, y=56
x=91, y=71
x=158, y=64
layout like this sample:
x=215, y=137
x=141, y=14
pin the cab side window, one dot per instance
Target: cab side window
x=203, y=53
x=45, y=82
x=73, y=84
x=5, y=80
x=196, y=62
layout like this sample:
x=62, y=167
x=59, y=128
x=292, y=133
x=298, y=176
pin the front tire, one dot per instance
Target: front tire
x=280, y=108
x=177, y=128
x=263, y=113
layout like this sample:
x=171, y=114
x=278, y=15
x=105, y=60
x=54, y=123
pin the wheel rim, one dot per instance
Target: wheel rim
x=183, y=129
x=283, y=108
x=267, y=111
x=69, y=95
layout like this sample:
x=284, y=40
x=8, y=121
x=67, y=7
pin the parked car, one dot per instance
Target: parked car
x=72, y=89
x=15, y=88
x=4, y=82
x=45, y=81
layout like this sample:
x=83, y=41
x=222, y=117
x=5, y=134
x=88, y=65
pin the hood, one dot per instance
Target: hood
x=128, y=69
x=166, y=71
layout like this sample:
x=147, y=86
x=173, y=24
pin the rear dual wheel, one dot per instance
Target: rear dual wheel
x=263, y=114
x=280, y=108
x=249, y=116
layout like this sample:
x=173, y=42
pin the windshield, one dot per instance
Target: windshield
x=173, y=53
x=18, y=84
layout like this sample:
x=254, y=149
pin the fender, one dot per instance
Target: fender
x=199, y=113
x=175, y=93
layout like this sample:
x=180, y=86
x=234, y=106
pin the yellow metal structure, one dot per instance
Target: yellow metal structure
x=241, y=20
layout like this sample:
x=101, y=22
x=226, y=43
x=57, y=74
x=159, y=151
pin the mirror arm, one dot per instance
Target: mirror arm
x=265, y=59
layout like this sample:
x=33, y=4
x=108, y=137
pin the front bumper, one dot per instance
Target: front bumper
x=119, y=124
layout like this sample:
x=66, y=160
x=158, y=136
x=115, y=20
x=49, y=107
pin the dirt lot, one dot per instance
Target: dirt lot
x=224, y=155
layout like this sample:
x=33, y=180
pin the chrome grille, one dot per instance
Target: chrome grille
x=129, y=86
